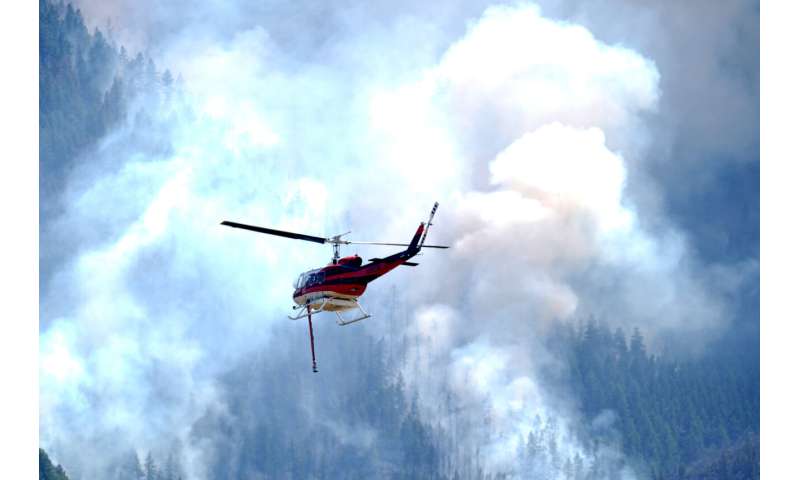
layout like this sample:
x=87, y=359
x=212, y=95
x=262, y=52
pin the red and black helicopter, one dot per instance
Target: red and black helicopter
x=337, y=286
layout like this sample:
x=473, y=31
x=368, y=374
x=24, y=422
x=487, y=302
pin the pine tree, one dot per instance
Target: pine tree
x=620, y=345
x=171, y=469
x=131, y=468
x=150, y=469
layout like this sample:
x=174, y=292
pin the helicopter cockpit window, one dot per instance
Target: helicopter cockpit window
x=315, y=278
x=309, y=279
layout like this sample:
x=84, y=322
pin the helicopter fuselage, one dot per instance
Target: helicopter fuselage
x=338, y=285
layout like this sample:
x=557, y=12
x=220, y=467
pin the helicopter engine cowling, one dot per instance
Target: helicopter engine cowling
x=352, y=261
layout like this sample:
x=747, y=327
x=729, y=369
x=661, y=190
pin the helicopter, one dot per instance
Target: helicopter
x=337, y=286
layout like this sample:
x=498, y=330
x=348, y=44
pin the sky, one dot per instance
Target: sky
x=577, y=151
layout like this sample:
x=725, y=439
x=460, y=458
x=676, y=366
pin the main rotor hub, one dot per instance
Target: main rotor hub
x=336, y=241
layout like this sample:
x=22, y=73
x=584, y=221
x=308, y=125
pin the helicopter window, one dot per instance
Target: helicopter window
x=316, y=278
x=309, y=279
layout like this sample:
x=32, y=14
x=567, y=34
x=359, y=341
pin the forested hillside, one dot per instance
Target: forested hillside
x=48, y=471
x=87, y=86
x=86, y=81
x=683, y=420
x=369, y=431
x=676, y=419
x=263, y=428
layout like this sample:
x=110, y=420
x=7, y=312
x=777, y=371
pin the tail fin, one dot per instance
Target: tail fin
x=417, y=236
x=428, y=226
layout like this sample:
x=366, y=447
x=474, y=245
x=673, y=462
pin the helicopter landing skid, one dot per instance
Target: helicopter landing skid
x=342, y=321
x=335, y=305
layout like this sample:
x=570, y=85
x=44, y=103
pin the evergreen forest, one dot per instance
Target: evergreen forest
x=674, y=418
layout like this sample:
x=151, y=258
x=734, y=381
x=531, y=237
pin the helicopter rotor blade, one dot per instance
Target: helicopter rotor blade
x=310, y=238
x=272, y=231
x=393, y=244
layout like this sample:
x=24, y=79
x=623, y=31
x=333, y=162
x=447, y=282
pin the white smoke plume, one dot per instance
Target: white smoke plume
x=523, y=127
x=542, y=232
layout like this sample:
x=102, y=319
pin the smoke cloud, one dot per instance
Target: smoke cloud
x=547, y=235
x=525, y=128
